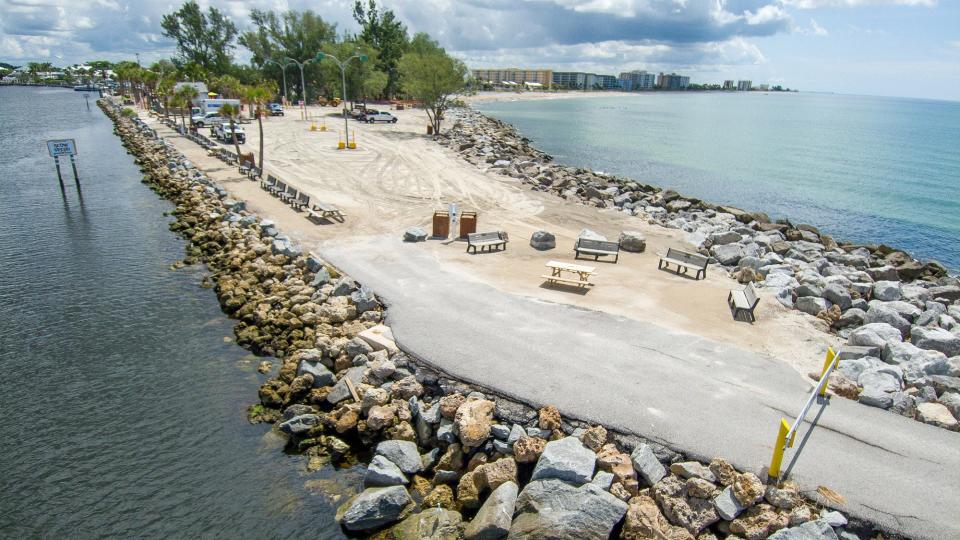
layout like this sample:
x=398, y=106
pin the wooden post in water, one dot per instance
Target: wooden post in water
x=56, y=161
x=76, y=178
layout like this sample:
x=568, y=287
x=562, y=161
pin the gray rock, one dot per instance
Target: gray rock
x=364, y=300
x=415, y=234
x=811, y=530
x=296, y=409
x=834, y=519
x=343, y=286
x=340, y=390
x=692, y=469
x=403, y=454
x=903, y=404
x=949, y=292
x=723, y=238
x=502, y=447
x=543, y=240
x=875, y=398
x=299, y=425
x=321, y=375
x=838, y=295
x=565, y=459
x=874, y=335
x=882, y=314
x=727, y=254
x=357, y=346
x=375, y=507
x=553, y=509
x=533, y=431
x=887, y=291
x=927, y=363
x=945, y=383
x=382, y=472
x=727, y=505
x=314, y=262
x=603, y=479
x=809, y=289
x=321, y=278
x=648, y=467
x=591, y=235
x=500, y=431
x=430, y=524
x=493, y=520
x=812, y=305
x=633, y=241
x=951, y=400
x=936, y=339
x=429, y=460
x=516, y=432
x=446, y=431
x=851, y=352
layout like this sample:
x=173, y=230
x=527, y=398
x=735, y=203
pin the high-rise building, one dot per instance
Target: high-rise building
x=672, y=81
x=515, y=76
x=578, y=80
x=637, y=80
x=744, y=86
x=729, y=85
x=607, y=82
x=764, y=87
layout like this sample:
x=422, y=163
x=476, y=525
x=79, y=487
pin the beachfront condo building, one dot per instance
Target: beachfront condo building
x=578, y=80
x=508, y=77
x=744, y=86
x=672, y=81
x=729, y=85
x=637, y=80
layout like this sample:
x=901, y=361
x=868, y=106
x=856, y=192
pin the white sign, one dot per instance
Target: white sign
x=62, y=147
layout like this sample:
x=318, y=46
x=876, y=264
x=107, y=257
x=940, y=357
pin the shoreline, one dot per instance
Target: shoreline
x=213, y=224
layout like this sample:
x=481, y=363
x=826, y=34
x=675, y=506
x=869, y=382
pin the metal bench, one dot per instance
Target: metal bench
x=289, y=195
x=683, y=260
x=278, y=188
x=268, y=182
x=485, y=241
x=743, y=301
x=302, y=201
x=325, y=211
x=597, y=248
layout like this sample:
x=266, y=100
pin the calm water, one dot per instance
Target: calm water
x=123, y=404
x=864, y=169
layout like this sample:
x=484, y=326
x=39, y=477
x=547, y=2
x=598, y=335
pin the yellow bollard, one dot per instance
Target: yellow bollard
x=778, y=449
x=323, y=126
x=313, y=127
x=341, y=145
x=826, y=365
x=353, y=145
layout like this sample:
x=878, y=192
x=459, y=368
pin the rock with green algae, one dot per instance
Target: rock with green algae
x=431, y=524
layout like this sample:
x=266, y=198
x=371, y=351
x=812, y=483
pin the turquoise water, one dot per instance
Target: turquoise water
x=865, y=169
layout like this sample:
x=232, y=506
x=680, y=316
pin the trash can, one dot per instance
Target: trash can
x=429, y=129
x=468, y=223
x=441, y=224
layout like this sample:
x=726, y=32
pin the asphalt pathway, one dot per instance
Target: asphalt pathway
x=694, y=395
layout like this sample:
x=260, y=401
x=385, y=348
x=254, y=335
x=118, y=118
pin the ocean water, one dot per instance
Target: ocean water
x=864, y=169
x=124, y=403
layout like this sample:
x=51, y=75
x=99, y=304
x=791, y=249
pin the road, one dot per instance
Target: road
x=697, y=396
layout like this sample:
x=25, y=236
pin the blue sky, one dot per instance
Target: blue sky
x=884, y=47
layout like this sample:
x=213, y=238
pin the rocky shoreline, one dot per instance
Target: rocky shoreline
x=448, y=460
x=900, y=316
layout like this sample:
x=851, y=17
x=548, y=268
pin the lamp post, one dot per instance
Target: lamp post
x=283, y=70
x=303, y=82
x=343, y=78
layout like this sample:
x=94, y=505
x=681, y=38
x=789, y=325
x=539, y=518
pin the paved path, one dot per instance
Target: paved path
x=697, y=396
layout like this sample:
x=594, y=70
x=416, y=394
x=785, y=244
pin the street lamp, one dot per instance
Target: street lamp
x=343, y=78
x=283, y=70
x=303, y=83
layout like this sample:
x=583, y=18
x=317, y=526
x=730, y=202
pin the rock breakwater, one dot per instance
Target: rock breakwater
x=900, y=316
x=448, y=460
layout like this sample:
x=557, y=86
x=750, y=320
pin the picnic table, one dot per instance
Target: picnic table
x=558, y=268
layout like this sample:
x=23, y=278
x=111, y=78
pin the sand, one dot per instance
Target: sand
x=398, y=176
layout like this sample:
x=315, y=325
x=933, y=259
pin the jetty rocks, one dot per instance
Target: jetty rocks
x=846, y=289
x=447, y=460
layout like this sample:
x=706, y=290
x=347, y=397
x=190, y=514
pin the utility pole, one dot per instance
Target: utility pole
x=303, y=82
x=283, y=70
x=343, y=78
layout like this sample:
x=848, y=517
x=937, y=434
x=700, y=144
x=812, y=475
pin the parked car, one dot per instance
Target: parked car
x=383, y=116
x=276, y=109
x=207, y=119
x=223, y=134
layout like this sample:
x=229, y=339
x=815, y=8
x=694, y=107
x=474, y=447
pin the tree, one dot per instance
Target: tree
x=432, y=76
x=258, y=96
x=231, y=113
x=387, y=35
x=362, y=78
x=185, y=96
x=205, y=39
x=165, y=91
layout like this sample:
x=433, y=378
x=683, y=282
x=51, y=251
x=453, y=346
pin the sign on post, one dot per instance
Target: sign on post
x=62, y=147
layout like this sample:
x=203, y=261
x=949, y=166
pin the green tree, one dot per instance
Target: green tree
x=258, y=96
x=362, y=77
x=184, y=97
x=231, y=113
x=432, y=76
x=388, y=36
x=205, y=39
x=165, y=92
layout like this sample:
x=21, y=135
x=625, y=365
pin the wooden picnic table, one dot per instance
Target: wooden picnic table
x=582, y=272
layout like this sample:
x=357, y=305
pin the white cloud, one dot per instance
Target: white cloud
x=817, y=29
x=816, y=4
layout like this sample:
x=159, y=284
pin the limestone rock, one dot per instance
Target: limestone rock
x=498, y=473
x=645, y=521
x=430, y=524
x=594, y=437
x=528, y=449
x=473, y=420
x=692, y=469
x=723, y=471
x=549, y=418
x=691, y=513
x=759, y=522
x=936, y=414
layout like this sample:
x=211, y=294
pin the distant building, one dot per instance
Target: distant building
x=607, y=82
x=672, y=81
x=744, y=86
x=729, y=85
x=637, y=80
x=764, y=87
x=511, y=77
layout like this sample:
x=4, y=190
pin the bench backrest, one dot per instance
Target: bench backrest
x=271, y=179
x=292, y=191
x=482, y=237
x=304, y=198
x=600, y=245
x=688, y=258
x=281, y=186
x=750, y=294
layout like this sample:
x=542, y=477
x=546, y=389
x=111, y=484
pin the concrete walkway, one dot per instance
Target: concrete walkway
x=694, y=395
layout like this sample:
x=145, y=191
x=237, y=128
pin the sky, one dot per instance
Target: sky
x=908, y=48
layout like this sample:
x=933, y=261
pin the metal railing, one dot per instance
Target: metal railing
x=787, y=433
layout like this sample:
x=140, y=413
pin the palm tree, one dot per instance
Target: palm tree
x=257, y=96
x=231, y=112
x=185, y=94
x=165, y=91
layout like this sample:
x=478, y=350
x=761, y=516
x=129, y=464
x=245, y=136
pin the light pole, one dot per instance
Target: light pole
x=283, y=70
x=343, y=78
x=303, y=82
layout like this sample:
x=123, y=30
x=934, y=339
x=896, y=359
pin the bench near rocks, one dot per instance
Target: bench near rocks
x=744, y=301
x=486, y=241
x=596, y=248
x=684, y=261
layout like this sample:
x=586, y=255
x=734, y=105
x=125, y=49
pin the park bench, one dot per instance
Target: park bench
x=743, y=301
x=289, y=195
x=268, y=183
x=485, y=241
x=302, y=201
x=253, y=173
x=326, y=211
x=278, y=188
x=683, y=260
x=597, y=248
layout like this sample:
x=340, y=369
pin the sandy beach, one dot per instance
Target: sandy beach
x=398, y=176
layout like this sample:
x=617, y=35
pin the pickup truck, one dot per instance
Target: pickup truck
x=208, y=119
x=223, y=134
x=382, y=116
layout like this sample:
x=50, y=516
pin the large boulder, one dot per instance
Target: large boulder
x=812, y=305
x=493, y=520
x=543, y=240
x=549, y=509
x=565, y=459
x=838, y=295
x=878, y=313
x=403, y=454
x=936, y=414
x=936, y=339
x=887, y=291
x=633, y=241
x=430, y=524
x=724, y=237
x=692, y=513
x=298, y=425
x=645, y=521
x=415, y=234
x=321, y=375
x=874, y=335
x=727, y=254
x=374, y=507
x=382, y=473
